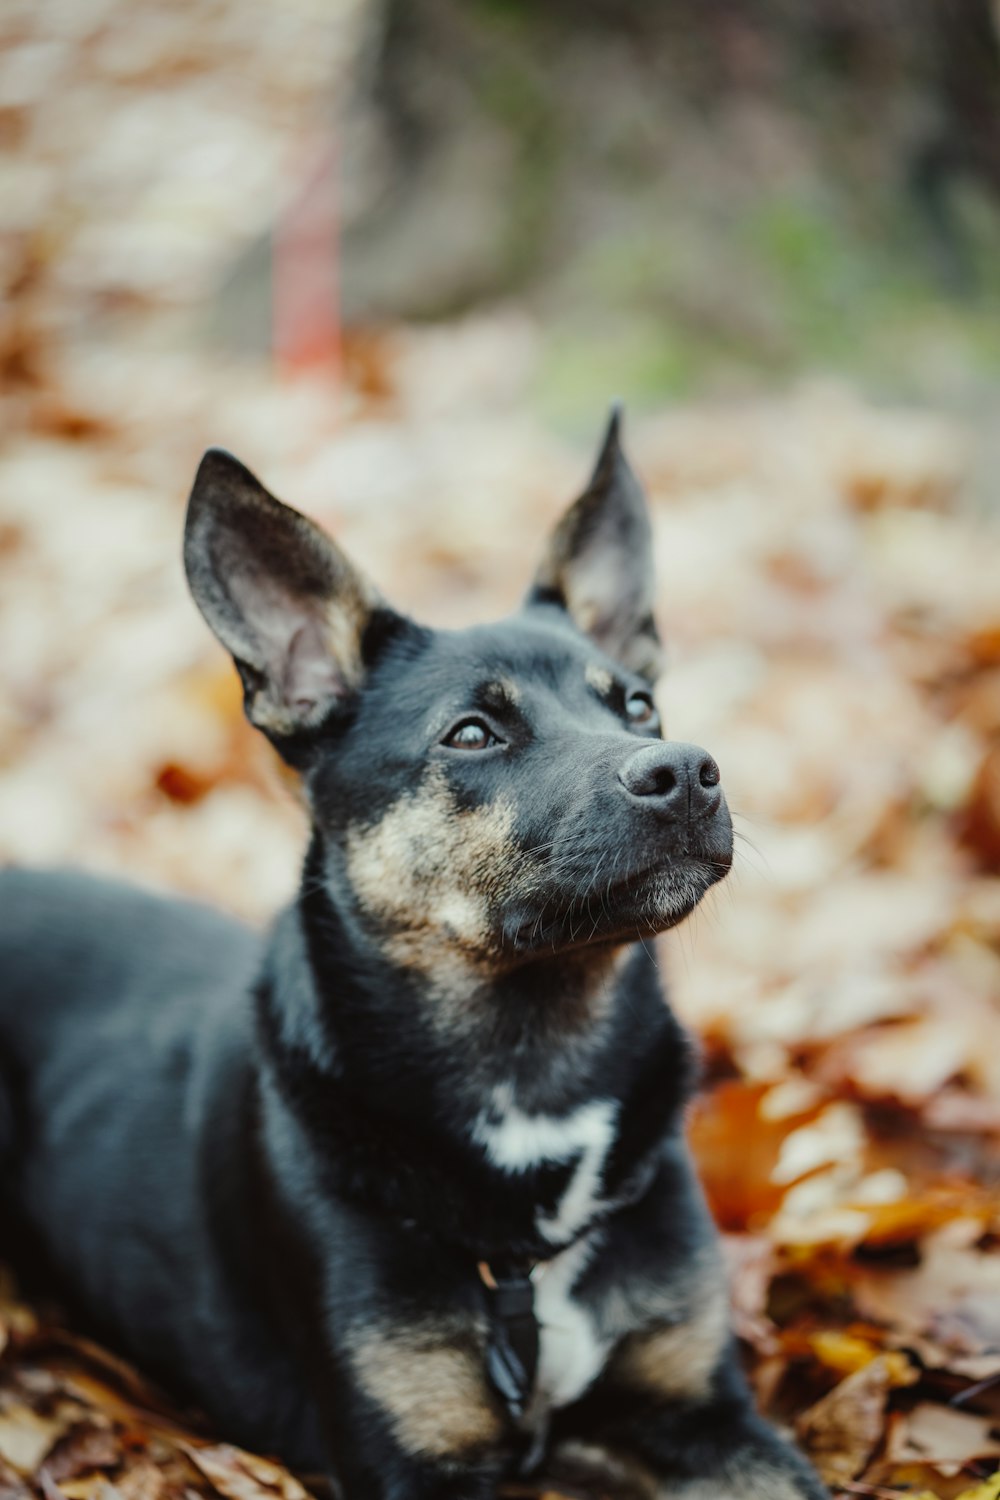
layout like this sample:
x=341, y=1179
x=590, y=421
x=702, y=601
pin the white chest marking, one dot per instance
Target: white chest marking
x=516, y=1142
x=570, y=1353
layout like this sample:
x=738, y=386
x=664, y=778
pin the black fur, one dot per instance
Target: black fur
x=268, y=1166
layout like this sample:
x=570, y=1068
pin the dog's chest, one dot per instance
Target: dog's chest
x=571, y=1352
x=518, y=1142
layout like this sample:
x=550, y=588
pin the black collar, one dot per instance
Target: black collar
x=514, y=1340
x=512, y=1351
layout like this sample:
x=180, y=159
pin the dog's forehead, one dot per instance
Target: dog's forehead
x=501, y=663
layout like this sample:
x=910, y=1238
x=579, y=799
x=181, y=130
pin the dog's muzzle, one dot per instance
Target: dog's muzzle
x=674, y=780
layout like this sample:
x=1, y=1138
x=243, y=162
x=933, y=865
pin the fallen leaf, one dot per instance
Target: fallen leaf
x=843, y=1429
x=26, y=1437
x=988, y=1490
x=243, y=1476
x=84, y=1447
x=979, y=823
x=141, y=1481
x=12, y=1486
x=941, y=1436
x=738, y=1147
x=948, y=1306
x=841, y=1351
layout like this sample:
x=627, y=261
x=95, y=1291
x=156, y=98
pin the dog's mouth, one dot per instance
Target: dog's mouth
x=622, y=909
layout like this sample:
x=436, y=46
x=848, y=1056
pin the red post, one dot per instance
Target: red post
x=304, y=286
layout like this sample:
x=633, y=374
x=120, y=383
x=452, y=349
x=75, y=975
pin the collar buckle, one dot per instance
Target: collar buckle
x=512, y=1350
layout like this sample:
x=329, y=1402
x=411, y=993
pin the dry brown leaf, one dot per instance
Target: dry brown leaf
x=979, y=826
x=142, y=1481
x=12, y=1486
x=842, y=1431
x=109, y=1382
x=940, y=1436
x=948, y=1306
x=87, y=1446
x=239, y=1475
x=954, y=1109
x=26, y=1437
x=751, y=1264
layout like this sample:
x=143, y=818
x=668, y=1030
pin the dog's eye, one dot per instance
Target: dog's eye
x=471, y=734
x=640, y=708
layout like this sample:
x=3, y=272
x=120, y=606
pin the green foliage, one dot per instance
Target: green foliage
x=784, y=282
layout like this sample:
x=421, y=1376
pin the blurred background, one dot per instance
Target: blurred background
x=399, y=255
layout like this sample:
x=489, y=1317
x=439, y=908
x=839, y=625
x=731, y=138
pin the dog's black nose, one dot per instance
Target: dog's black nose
x=680, y=780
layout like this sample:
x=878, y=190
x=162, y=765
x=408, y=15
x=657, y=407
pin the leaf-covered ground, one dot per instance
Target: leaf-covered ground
x=831, y=592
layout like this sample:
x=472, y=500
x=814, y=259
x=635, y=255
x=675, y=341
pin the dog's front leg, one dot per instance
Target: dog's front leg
x=670, y=1416
x=645, y=1448
x=413, y=1416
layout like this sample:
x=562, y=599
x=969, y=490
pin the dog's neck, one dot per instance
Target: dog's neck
x=426, y=1113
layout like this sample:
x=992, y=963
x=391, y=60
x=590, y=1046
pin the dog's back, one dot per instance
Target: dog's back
x=96, y=970
x=114, y=938
x=91, y=964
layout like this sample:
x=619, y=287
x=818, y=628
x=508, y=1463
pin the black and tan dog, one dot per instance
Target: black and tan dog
x=400, y=1191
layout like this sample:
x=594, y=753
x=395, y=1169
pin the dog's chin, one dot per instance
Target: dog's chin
x=642, y=906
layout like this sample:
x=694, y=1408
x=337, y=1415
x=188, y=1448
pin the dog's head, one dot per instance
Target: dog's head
x=486, y=795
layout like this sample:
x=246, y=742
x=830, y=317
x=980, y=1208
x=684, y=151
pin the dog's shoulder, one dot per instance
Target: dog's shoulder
x=78, y=946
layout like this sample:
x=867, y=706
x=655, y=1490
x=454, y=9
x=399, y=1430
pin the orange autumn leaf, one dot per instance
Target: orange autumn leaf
x=737, y=1146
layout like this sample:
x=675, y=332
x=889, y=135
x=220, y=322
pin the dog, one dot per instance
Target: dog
x=399, y=1191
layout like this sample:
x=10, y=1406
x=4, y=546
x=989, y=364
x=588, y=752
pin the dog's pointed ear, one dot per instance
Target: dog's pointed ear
x=280, y=596
x=598, y=565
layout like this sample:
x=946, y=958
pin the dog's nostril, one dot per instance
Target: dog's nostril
x=708, y=773
x=662, y=781
x=678, y=780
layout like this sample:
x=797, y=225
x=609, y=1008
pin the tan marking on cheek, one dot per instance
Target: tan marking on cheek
x=599, y=678
x=434, y=1394
x=427, y=873
x=462, y=916
x=677, y=1360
